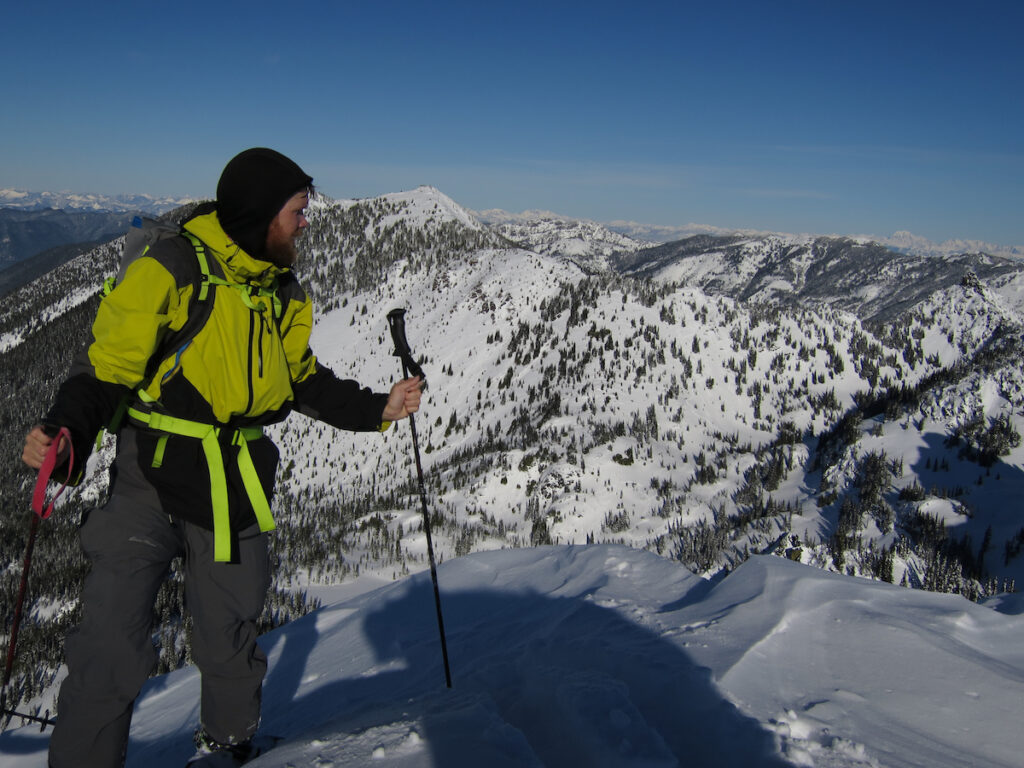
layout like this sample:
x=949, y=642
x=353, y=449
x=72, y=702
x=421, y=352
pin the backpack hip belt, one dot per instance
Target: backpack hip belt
x=209, y=435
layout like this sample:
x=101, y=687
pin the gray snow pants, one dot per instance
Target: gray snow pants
x=130, y=544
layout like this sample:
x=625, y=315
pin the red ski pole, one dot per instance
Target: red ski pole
x=38, y=513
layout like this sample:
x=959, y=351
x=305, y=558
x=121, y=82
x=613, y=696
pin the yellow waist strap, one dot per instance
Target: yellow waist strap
x=208, y=435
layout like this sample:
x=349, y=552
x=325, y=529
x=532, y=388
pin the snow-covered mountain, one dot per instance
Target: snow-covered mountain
x=587, y=243
x=908, y=242
x=41, y=230
x=609, y=656
x=633, y=231
x=903, y=242
x=75, y=201
x=822, y=399
x=865, y=278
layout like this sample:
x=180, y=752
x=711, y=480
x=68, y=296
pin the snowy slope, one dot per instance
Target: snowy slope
x=608, y=656
x=864, y=277
x=586, y=243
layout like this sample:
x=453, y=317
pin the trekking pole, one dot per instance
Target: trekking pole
x=396, y=319
x=38, y=513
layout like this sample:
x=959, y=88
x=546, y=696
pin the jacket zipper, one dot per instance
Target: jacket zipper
x=263, y=325
x=252, y=337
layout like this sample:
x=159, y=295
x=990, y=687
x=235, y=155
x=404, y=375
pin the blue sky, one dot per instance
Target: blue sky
x=824, y=117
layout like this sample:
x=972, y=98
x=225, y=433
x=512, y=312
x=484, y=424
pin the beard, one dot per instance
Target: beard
x=280, y=250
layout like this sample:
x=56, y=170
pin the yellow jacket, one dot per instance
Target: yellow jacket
x=248, y=364
x=242, y=363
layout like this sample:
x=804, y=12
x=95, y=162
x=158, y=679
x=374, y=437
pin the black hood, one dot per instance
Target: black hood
x=252, y=190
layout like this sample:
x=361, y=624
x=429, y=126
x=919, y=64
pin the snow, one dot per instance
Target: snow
x=611, y=656
x=26, y=200
x=915, y=244
x=425, y=203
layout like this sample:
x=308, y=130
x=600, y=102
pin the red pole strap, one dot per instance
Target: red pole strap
x=49, y=463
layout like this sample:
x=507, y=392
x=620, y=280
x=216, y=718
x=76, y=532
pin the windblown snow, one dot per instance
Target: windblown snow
x=611, y=656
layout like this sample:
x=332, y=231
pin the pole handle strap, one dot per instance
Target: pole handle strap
x=39, y=505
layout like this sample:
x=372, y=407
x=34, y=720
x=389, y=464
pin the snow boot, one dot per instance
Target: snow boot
x=213, y=754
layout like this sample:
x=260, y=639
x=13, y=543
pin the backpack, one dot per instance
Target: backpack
x=145, y=233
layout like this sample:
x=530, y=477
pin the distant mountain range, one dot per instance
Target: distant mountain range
x=902, y=242
x=34, y=201
x=613, y=236
x=27, y=232
x=866, y=278
x=41, y=230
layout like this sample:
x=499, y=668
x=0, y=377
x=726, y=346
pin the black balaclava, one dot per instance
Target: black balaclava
x=252, y=190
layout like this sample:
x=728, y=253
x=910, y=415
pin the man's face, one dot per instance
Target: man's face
x=284, y=228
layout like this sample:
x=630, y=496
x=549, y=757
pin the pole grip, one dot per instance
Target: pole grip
x=396, y=321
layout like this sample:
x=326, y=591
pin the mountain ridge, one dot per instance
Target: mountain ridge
x=25, y=233
x=869, y=279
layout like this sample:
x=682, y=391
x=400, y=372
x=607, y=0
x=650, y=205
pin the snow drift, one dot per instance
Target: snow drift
x=610, y=656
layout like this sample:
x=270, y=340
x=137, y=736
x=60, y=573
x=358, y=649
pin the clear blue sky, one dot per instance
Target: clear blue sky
x=826, y=117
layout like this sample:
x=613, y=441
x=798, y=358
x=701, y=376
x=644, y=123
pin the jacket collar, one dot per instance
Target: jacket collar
x=238, y=265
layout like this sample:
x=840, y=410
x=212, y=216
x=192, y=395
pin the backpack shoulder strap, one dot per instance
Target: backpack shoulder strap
x=289, y=289
x=188, y=263
x=202, y=292
x=183, y=255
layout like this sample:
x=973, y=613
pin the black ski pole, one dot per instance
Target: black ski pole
x=396, y=320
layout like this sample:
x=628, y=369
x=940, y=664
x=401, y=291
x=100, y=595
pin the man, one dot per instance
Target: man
x=193, y=473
